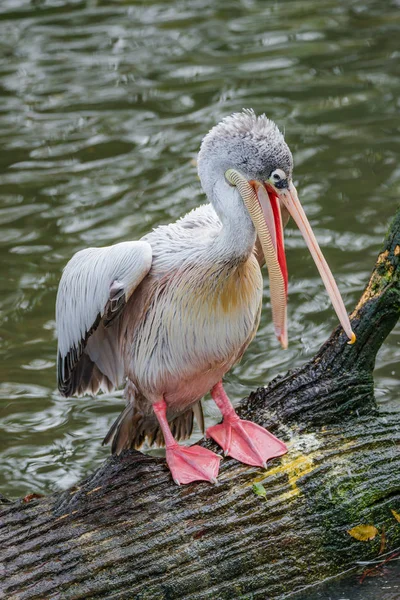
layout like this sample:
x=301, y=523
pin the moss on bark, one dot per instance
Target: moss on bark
x=128, y=532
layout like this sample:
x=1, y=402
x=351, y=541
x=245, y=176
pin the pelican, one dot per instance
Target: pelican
x=170, y=314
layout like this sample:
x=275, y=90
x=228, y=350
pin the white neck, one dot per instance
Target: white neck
x=238, y=236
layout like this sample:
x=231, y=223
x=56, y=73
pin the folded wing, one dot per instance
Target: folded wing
x=93, y=291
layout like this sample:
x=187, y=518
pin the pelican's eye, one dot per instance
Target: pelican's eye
x=279, y=178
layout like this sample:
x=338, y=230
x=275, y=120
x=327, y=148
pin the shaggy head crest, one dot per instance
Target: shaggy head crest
x=246, y=124
x=251, y=144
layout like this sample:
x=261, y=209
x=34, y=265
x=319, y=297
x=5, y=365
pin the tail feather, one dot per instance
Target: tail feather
x=199, y=416
x=121, y=431
x=133, y=427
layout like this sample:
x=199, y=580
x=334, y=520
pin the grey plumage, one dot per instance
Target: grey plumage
x=172, y=313
x=253, y=144
x=93, y=291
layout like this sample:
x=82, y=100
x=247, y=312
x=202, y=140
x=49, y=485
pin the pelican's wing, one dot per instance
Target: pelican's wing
x=94, y=288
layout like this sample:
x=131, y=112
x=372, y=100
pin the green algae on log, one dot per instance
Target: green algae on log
x=129, y=532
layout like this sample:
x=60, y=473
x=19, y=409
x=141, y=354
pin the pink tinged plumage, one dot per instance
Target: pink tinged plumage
x=246, y=441
x=170, y=314
x=186, y=464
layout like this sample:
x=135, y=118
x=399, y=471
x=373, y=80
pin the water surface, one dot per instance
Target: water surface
x=102, y=109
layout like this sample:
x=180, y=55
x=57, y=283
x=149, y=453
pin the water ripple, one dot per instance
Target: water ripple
x=103, y=106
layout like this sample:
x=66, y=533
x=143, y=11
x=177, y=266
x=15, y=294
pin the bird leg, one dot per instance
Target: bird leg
x=246, y=441
x=186, y=464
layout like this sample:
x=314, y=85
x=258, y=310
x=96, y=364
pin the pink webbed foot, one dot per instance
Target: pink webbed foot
x=246, y=441
x=186, y=464
x=193, y=463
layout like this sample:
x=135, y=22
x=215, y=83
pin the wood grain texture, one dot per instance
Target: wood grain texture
x=128, y=532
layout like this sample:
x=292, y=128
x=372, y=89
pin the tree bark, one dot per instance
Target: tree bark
x=129, y=532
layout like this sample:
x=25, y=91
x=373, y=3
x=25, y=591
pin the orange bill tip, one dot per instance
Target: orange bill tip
x=283, y=340
x=352, y=339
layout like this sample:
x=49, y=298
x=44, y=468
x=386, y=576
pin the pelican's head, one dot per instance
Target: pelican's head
x=250, y=154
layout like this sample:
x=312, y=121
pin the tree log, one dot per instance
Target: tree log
x=128, y=531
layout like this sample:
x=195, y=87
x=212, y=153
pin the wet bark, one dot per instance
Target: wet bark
x=128, y=532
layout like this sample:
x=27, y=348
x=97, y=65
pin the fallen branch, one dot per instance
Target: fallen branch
x=128, y=532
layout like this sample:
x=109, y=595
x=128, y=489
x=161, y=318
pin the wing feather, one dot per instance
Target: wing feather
x=93, y=291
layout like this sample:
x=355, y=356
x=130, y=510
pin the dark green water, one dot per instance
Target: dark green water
x=102, y=108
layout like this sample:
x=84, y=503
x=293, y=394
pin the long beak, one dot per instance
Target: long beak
x=266, y=216
x=263, y=201
x=290, y=200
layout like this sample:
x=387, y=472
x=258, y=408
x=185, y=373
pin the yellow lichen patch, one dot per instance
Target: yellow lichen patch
x=62, y=517
x=84, y=537
x=290, y=494
x=346, y=446
x=396, y=515
x=294, y=468
x=94, y=490
x=382, y=257
x=397, y=250
x=300, y=466
x=377, y=282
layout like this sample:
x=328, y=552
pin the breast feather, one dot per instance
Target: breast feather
x=198, y=317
